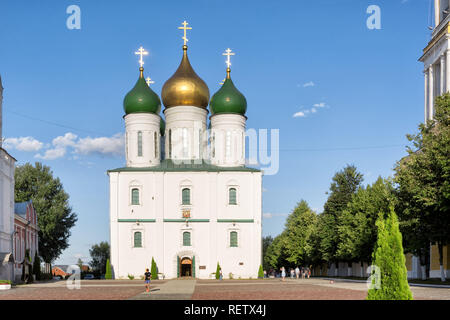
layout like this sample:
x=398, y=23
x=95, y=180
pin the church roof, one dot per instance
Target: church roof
x=169, y=166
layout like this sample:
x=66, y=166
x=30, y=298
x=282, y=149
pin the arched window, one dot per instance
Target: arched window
x=213, y=144
x=186, y=239
x=138, y=239
x=186, y=196
x=233, y=239
x=228, y=145
x=170, y=143
x=134, y=196
x=232, y=199
x=139, y=143
x=155, y=136
x=185, y=143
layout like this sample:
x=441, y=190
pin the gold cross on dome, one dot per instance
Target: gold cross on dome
x=228, y=53
x=141, y=52
x=185, y=27
x=149, y=81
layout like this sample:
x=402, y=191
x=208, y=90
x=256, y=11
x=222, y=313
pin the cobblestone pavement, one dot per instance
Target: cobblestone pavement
x=269, y=289
x=90, y=290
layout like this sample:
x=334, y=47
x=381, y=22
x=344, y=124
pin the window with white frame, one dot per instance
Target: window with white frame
x=139, y=143
x=232, y=196
x=137, y=239
x=135, y=196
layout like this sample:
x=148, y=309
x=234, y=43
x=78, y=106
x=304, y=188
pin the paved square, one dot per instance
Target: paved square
x=268, y=289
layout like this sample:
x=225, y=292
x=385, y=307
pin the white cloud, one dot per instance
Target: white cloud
x=104, y=145
x=299, y=114
x=303, y=113
x=81, y=146
x=52, y=154
x=27, y=144
x=309, y=84
x=268, y=215
x=68, y=140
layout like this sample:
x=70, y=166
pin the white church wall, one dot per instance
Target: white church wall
x=146, y=125
x=6, y=211
x=161, y=223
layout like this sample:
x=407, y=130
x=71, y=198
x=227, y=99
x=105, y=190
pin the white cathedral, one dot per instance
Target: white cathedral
x=185, y=198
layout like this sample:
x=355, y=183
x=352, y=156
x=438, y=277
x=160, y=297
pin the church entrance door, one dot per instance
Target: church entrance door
x=186, y=267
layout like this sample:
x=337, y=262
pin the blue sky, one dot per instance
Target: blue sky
x=365, y=86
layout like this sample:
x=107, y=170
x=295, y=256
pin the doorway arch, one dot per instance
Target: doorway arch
x=186, y=267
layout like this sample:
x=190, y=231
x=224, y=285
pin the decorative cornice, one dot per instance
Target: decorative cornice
x=137, y=220
x=235, y=220
x=444, y=31
x=186, y=220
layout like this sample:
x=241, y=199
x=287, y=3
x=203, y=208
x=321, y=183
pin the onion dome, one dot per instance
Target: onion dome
x=228, y=99
x=141, y=98
x=162, y=127
x=185, y=87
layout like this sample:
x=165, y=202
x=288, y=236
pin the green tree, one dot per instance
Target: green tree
x=108, y=273
x=266, y=242
x=423, y=179
x=389, y=257
x=276, y=254
x=99, y=255
x=154, y=270
x=298, y=229
x=357, y=231
x=55, y=216
x=344, y=184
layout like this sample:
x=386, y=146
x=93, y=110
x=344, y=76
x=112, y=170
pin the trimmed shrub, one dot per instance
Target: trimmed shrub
x=388, y=256
x=130, y=276
x=108, y=274
x=218, y=271
x=260, y=272
x=154, y=270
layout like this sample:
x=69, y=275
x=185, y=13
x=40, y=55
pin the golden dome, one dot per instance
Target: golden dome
x=185, y=87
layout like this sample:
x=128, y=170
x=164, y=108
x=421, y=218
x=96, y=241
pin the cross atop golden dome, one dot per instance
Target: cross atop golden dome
x=185, y=87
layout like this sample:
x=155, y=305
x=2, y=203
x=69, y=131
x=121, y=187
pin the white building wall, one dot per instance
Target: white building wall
x=147, y=125
x=162, y=238
x=6, y=211
x=228, y=140
x=185, y=133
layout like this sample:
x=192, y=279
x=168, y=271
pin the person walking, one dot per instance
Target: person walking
x=220, y=274
x=292, y=273
x=147, y=277
x=303, y=273
x=297, y=272
x=283, y=273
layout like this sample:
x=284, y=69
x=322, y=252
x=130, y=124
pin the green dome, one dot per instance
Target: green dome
x=228, y=100
x=162, y=127
x=141, y=99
